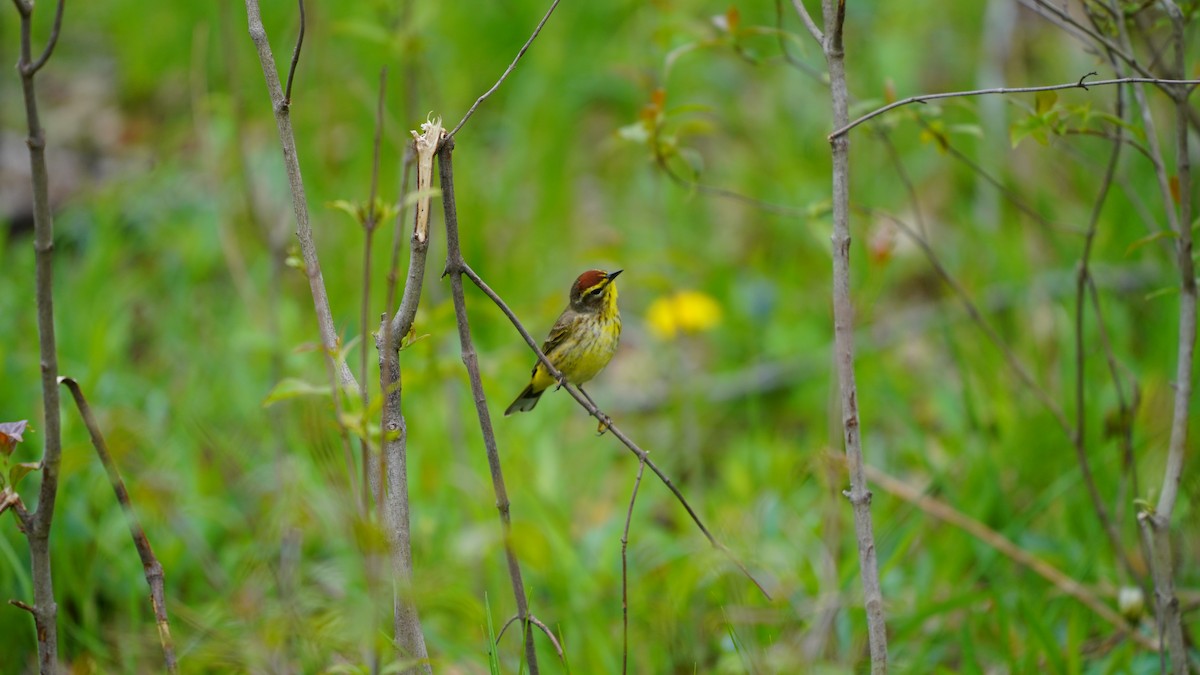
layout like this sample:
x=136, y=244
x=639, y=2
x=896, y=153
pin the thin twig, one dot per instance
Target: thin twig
x=1065, y=584
x=541, y=626
x=843, y=332
x=370, y=221
x=1081, y=285
x=51, y=42
x=287, y=94
x=768, y=207
x=1080, y=84
x=150, y=565
x=455, y=267
x=609, y=426
x=549, y=636
x=489, y=92
x=44, y=610
x=625, y=572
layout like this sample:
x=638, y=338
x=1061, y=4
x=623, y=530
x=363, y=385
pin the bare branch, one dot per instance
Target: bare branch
x=150, y=565
x=455, y=267
x=637, y=483
x=51, y=42
x=507, y=71
x=308, y=248
x=44, y=610
x=393, y=455
x=1156, y=524
x=1081, y=285
x=843, y=334
x=925, y=98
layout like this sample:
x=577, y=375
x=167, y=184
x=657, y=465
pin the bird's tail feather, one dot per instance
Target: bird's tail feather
x=525, y=400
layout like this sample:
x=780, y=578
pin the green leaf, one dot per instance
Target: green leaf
x=1044, y=101
x=1149, y=239
x=966, y=130
x=18, y=471
x=292, y=387
x=352, y=210
x=694, y=159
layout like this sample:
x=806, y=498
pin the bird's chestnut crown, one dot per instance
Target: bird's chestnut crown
x=590, y=285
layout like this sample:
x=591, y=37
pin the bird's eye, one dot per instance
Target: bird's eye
x=596, y=291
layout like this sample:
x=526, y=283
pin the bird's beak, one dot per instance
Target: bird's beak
x=613, y=275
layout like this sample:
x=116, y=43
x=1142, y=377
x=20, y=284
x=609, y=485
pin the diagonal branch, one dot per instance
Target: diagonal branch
x=507, y=71
x=150, y=565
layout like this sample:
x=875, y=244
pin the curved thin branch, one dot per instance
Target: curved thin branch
x=1080, y=84
x=51, y=42
x=287, y=92
x=507, y=71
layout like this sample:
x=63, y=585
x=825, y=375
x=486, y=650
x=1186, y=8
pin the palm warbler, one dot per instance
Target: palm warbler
x=583, y=339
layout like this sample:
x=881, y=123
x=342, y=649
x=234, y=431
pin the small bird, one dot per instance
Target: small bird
x=582, y=341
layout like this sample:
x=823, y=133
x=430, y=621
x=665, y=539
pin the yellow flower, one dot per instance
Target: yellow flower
x=683, y=312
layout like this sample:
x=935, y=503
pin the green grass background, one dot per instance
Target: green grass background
x=165, y=317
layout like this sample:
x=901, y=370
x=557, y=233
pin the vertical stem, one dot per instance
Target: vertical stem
x=45, y=611
x=858, y=494
x=1157, y=524
x=454, y=267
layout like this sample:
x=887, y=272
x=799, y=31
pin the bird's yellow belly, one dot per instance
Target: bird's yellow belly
x=579, y=363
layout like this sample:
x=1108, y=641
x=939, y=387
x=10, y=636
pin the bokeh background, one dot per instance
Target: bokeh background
x=178, y=314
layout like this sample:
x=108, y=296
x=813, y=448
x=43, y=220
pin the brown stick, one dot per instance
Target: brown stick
x=843, y=332
x=1069, y=586
x=150, y=565
x=455, y=267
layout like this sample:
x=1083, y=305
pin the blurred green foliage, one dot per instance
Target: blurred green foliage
x=167, y=316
